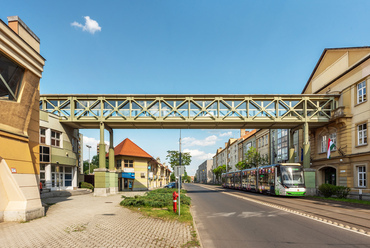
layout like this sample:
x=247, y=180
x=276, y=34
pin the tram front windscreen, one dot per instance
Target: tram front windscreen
x=292, y=176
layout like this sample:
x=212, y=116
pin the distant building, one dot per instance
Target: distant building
x=137, y=170
x=204, y=172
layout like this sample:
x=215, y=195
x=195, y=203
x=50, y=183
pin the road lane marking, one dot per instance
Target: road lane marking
x=308, y=216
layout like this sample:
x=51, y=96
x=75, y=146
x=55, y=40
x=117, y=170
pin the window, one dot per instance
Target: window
x=10, y=79
x=44, y=154
x=361, y=176
x=118, y=163
x=129, y=163
x=142, y=175
x=42, y=174
x=67, y=176
x=362, y=134
x=55, y=138
x=333, y=137
x=42, y=135
x=361, y=92
x=324, y=144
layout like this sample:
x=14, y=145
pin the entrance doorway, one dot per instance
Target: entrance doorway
x=128, y=184
x=330, y=175
x=61, y=177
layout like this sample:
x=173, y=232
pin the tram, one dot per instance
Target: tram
x=277, y=179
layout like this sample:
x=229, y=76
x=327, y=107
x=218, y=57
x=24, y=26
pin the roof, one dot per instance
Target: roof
x=129, y=148
x=321, y=59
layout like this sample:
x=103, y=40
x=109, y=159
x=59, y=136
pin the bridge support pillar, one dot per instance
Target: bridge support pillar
x=101, y=174
x=113, y=176
x=291, y=146
x=309, y=174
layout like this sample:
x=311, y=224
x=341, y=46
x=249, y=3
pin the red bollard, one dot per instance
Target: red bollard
x=174, y=197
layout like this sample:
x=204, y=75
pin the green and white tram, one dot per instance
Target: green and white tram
x=281, y=179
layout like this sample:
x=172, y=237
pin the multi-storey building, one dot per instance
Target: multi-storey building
x=263, y=144
x=21, y=66
x=204, y=172
x=59, y=154
x=232, y=154
x=344, y=72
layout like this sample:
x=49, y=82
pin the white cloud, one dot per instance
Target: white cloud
x=209, y=141
x=90, y=26
x=93, y=143
x=226, y=134
x=201, y=155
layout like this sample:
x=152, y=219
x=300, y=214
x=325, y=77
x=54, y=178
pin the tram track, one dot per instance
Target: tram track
x=352, y=218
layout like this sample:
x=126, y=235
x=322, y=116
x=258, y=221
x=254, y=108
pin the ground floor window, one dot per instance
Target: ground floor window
x=42, y=175
x=361, y=176
x=61, y=176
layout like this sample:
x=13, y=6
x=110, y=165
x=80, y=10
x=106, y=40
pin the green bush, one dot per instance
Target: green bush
x=342, y=192
x=87, y=185
x=327, y=190
x=157, y=198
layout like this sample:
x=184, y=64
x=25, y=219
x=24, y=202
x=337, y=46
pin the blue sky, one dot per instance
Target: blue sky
x=185, y=47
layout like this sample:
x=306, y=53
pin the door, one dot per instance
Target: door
x=330, y=175
x=125, y=183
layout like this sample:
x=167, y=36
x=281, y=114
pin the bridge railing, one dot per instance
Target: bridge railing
x=190, y=107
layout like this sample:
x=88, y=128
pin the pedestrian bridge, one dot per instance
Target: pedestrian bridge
x=190, y=111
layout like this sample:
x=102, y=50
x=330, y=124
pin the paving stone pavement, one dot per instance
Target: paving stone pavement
x=88, y=221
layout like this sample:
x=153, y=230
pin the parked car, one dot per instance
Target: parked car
x=170, y=185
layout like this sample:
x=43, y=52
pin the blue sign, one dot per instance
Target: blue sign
x=130, y=175
x=149, y=167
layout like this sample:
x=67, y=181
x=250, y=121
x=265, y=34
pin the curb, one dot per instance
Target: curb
x=195, y=227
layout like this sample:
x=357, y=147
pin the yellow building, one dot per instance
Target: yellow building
x=133, y=165
x=21, y=66
x=346, y=73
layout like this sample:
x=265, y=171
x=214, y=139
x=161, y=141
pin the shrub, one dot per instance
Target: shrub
x=87, y=185
x=327, y=190
x=157, y=198
x=342, y=191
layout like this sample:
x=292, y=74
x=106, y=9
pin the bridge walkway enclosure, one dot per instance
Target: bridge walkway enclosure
x=188, y=112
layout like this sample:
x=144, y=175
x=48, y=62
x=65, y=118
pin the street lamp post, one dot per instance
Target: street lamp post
x=89, y=157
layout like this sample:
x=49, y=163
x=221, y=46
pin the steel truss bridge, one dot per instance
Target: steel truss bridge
x=191, y=111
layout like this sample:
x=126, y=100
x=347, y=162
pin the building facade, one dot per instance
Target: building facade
x=204, y=172
x=59, y=154
x=21, y=67
x=344, y=72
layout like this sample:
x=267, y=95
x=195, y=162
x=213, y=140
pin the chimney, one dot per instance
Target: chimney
x=20, y=28
x=242, y=132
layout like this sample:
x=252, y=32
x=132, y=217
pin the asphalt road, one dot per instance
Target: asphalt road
x=226, y=221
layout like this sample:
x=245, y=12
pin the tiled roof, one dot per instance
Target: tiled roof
x=129, y=148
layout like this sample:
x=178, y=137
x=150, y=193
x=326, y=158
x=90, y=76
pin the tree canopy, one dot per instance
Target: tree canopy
x=252, y=159
x=173, y=158
x=219, y=170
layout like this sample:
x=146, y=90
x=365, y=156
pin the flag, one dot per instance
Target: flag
x=331, y=146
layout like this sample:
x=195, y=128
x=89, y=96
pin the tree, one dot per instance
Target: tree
x=218, y=171
x=173, y=158
x=253, y=158
x=241, y=165
x=172, y=177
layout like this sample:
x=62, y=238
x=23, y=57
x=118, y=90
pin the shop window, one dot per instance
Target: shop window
x=362, y=134
x=361, y=176
x=44, y=154
x=10, y=79
x=129, y=163
x=361, y=92
x=67, y=176
x=55, y=138
x=142, y=175
x=42, y=135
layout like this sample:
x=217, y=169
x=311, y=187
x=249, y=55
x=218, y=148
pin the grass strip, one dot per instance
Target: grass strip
x=356, y=201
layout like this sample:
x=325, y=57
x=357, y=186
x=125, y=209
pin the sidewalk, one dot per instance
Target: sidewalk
x=88, y=221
